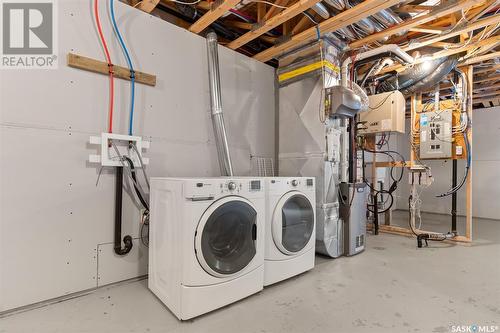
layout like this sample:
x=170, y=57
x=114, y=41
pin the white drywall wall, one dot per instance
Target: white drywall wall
x=56, y=226
x=485, y=168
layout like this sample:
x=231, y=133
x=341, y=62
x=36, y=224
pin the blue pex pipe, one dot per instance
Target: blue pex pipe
x=130, y=65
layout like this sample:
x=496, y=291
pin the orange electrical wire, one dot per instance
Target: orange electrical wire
x=110, y=65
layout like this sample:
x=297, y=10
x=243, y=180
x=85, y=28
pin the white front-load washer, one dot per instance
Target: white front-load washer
x=290, y=227
x=206, y=247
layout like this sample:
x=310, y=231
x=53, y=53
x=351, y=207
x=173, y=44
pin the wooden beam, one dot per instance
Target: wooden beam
x=473, y=60
x=467, y=28
x=400, y=231
x=484, y=49
x=480, y=70
x=487, y=87
x=238, y=24
x=413, y=9
x=469, y=73
x=428, y=29
x=301, y=25
x=485, y=100
x=204, y=5
x=490, y=94
x=340, y=20
x=446, y=9
x=486, y=78
x=273, y=22
x=446, y=53
x=261, y=11
x=212, y=15
x=147, y=5
x=489, y=5
x=397, y=164
x=274, y=9
x=445, y=45
x=101, y=67
x=268, y=39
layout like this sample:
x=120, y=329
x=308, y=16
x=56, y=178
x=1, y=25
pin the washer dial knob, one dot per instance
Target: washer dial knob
x=231, y=186
x=295, y=182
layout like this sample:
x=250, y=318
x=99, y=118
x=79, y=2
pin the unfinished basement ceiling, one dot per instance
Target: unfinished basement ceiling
x=265, y=30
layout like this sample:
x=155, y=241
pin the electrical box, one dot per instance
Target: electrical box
x=386, y=114
x=436, y=134
x=112, y=146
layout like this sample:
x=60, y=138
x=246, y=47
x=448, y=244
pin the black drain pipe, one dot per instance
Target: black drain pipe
x=454, y=198
x=127, y=240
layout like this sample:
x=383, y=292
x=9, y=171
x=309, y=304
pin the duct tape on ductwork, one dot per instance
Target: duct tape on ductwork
x=320, y=58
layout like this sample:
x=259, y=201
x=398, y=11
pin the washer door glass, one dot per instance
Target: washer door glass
x=228, y=237
x=297, y=218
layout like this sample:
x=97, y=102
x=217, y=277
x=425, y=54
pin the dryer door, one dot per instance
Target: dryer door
x=293, y=223
x=225, y=241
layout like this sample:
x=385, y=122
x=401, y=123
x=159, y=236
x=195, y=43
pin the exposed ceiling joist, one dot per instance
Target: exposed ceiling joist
x=301, y=25
x=485, y=100
x=212, y=15
x=489, y=94
x=487, y=78
x=467, y=28
x=474, y=60
x=273, y=22
x=486, y=69
x=487, y=87
x=239, y=25
x=341, y=20
x=446, y=53
x=446, y=9
x=275, y=9
x=428, y=29
x=147, y=5
x=261, y=11
x=413, y=9
x=489, y=5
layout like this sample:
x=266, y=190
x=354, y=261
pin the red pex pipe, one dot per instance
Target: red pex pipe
x=110, y=64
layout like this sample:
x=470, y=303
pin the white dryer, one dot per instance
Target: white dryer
x=290, y=227
x=206, y=246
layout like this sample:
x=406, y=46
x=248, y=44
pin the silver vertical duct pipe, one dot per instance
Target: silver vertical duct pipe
x=225, y=164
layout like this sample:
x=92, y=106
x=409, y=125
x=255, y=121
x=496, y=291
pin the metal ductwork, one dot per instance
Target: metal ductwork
x=375, y=23
x=435, y=76
x=419, y=77
x=366, y=26
x=337, y=4
x=225, y=164
x=321, y=10
x=390, y=50
x=388, y=18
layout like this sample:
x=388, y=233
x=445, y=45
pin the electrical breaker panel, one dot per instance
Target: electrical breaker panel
x=436, y=134
x=386, y=114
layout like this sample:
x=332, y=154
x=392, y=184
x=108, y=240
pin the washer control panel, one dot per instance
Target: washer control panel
x=238, y=186
x=211, y=188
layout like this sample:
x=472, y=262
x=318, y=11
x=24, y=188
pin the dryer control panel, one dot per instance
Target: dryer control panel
x=291, y=183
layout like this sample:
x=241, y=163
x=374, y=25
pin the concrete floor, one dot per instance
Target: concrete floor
x=391, y=287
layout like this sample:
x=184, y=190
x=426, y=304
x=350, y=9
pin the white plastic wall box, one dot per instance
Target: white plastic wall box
x=108, y=156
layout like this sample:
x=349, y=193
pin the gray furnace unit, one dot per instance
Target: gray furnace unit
x=316, y=146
